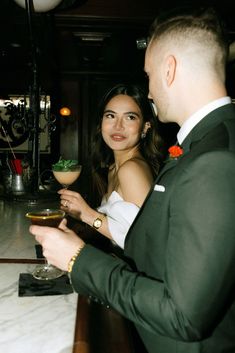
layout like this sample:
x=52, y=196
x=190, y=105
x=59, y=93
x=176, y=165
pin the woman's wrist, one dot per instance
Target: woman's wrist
x=98, y=220
x=91, y=217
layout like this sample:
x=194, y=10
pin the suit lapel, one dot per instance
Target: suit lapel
x=169, y=164
x=207, y=124
x=199, y=131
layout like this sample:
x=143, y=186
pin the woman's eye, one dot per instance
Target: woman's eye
x=109, y=116
x=131, y=117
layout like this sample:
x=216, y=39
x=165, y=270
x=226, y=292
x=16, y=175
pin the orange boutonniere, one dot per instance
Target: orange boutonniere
x=175, y=152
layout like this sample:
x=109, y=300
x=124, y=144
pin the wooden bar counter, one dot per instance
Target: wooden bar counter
x=100, y=330
x=70, y=323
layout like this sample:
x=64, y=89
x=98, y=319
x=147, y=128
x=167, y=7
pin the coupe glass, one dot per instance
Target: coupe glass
x=50, y=218
x=68, y=176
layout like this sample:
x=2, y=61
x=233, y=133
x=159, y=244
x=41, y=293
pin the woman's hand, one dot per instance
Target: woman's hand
x=74, y=204
x=59, y=244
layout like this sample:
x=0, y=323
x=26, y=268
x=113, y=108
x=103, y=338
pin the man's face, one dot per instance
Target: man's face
x=153, y=69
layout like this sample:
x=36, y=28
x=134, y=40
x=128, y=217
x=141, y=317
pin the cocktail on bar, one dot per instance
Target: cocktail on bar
x=48, y=218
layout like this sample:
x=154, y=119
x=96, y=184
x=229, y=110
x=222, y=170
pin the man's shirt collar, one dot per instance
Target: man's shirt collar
x=194, y=119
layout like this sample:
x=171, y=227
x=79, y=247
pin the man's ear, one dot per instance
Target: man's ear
x=170, y=69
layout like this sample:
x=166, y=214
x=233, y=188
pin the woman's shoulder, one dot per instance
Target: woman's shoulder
x=135, y=168
x=135, y=179
x=135, y=163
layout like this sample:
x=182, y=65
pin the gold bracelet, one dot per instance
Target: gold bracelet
x=73, y=258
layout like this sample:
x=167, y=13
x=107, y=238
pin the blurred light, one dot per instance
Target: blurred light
x=141, y=43
x=65, y=111
x=40, y=5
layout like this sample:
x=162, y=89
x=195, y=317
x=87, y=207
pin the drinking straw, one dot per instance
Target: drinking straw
x=13, y=169
x=8, y=142
x=16, y=163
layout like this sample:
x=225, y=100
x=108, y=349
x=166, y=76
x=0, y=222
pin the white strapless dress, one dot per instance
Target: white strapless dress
x=120, y=215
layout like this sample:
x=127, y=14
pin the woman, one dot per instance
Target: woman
x=126, y=159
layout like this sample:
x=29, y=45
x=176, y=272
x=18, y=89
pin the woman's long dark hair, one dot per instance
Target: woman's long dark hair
x=151, y=146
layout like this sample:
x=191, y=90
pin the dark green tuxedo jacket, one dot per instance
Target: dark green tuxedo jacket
x=178, y=285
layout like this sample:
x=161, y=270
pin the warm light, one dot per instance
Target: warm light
x=65, y=111
x=40, y=5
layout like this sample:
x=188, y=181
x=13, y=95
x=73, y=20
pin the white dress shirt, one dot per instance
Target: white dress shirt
x=194, y=119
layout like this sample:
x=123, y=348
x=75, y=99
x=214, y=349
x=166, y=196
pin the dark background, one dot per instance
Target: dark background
x=83, y=47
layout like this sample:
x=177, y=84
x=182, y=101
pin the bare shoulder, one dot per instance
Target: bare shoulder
x=134, y=180
x=135, y=167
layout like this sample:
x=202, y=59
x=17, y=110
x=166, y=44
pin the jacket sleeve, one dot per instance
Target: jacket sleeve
x=199, y=267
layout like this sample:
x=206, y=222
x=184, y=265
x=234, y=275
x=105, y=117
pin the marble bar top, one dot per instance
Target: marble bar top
x=44, y=324
x=15, y=239
x=47, y=324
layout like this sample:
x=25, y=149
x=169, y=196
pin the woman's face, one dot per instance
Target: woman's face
x=122, y=123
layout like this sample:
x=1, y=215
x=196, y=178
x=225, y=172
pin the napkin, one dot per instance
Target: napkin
x=30, y=286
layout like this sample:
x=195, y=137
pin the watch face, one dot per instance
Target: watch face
x=97, y=223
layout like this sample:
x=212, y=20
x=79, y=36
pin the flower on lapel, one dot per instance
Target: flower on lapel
x=175, y=151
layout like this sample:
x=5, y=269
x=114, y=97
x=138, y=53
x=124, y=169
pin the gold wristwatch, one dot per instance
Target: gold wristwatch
x=97, y=222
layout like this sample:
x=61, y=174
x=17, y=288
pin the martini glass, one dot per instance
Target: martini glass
x=50, y=218
x=67, y=176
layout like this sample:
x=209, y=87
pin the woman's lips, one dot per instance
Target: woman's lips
x=117, y=137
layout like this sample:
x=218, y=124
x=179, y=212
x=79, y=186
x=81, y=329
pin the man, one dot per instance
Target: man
x=179, y=290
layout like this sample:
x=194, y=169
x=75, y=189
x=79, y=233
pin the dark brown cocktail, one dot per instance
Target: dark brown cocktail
x=47, y=218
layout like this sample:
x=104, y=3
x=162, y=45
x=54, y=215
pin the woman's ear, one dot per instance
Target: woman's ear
x=170, y=69
x=147, y=126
